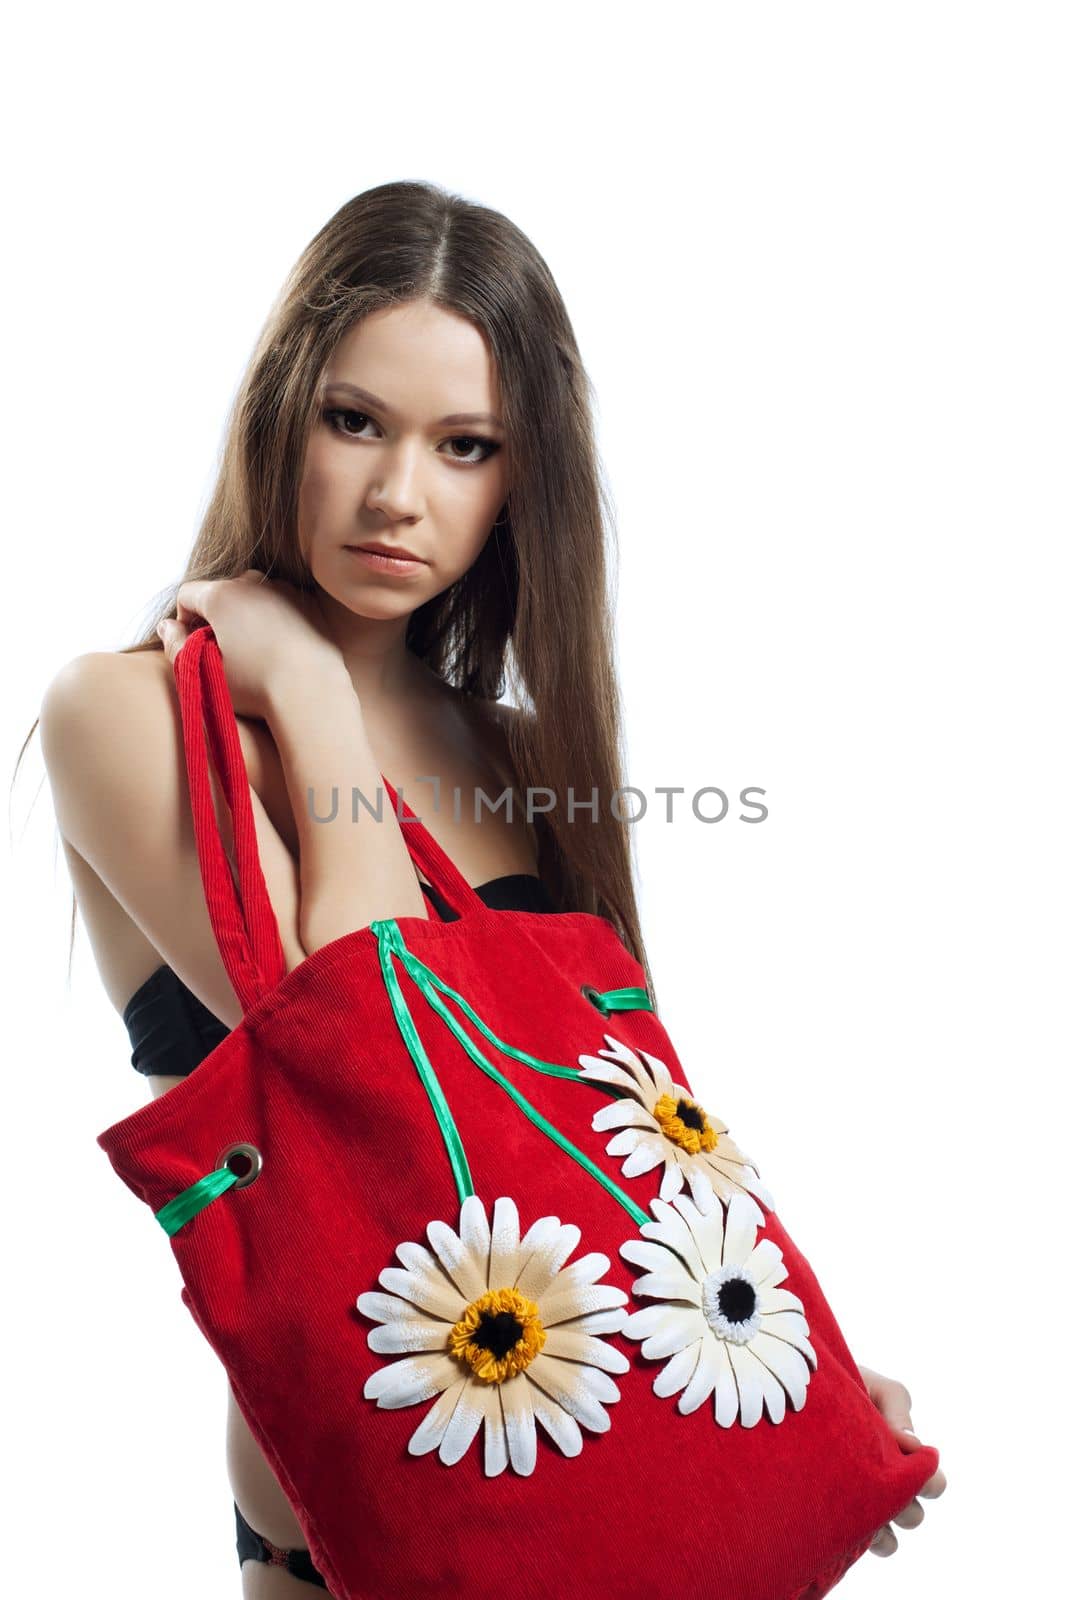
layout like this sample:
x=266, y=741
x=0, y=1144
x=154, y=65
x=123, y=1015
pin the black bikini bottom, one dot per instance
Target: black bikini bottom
x=251, y=1546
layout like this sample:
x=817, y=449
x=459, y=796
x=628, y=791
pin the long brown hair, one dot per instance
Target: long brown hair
x=540, y=585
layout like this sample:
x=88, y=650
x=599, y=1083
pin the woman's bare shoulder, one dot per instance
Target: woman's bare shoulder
x=88, y=684
x=98, y=707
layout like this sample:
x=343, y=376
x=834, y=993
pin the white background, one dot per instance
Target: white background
x=815, y=258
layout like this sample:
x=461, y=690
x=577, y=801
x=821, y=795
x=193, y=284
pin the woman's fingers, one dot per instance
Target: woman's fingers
x=911, y=1515
x=193, y=599
x=173, y=635
x=934, y=1486
x=908, y=1441
x=894, y=1402
x=884, y=1542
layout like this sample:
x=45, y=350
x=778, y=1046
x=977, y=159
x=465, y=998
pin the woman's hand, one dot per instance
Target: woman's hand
x=267, y=630
x=894, y=1402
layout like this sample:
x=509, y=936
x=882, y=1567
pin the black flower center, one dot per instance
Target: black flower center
x=498, y=1335
x=691, y=1115
x=737, y=1299
x=498, y=1332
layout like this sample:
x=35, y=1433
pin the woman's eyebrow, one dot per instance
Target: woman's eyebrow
x=375, y=400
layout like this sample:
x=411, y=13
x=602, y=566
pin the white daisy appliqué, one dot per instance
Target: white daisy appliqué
x=661, y=1122
x=504, y=1335
x=726, y=1326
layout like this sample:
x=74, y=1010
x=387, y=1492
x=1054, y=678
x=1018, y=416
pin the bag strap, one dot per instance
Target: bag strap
x=242, y=917
x=244, y=924
x=431, y=861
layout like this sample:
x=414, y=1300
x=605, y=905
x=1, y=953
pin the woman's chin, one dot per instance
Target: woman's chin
x=370, y=602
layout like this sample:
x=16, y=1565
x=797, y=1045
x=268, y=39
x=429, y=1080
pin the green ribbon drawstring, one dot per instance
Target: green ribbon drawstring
x=406, y=1023
x=428, y=982
x=419, y=970
x=609, y=1000
x=176, y=1213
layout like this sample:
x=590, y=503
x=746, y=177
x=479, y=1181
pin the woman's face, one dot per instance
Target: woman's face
x=389, y=463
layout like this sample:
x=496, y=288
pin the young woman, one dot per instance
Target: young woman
x=408, y=515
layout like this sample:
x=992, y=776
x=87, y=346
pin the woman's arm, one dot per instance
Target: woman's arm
x=283, y=667
x=350, y=871
x=111, y=738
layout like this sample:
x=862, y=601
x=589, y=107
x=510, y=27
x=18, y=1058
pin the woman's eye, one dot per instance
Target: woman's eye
x=331, y=416
x=489, y=446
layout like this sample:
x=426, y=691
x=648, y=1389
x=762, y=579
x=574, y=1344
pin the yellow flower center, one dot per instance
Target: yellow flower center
x=686, y=1123
x=498, y=1335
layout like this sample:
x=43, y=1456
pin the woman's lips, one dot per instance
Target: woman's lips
x=398, y=565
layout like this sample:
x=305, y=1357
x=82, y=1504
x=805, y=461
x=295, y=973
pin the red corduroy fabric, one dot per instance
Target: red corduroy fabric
x=659, y=1505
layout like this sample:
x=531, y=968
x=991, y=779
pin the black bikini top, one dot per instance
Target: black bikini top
x=172, y=1031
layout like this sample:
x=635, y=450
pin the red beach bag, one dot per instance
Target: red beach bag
x=501, y=1301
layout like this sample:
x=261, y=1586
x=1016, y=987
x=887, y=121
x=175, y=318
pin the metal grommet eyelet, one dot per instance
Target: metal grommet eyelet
x=244, y=1160
x=588, y=991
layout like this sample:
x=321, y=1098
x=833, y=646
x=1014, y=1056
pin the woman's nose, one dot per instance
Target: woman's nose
x=394, y=488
